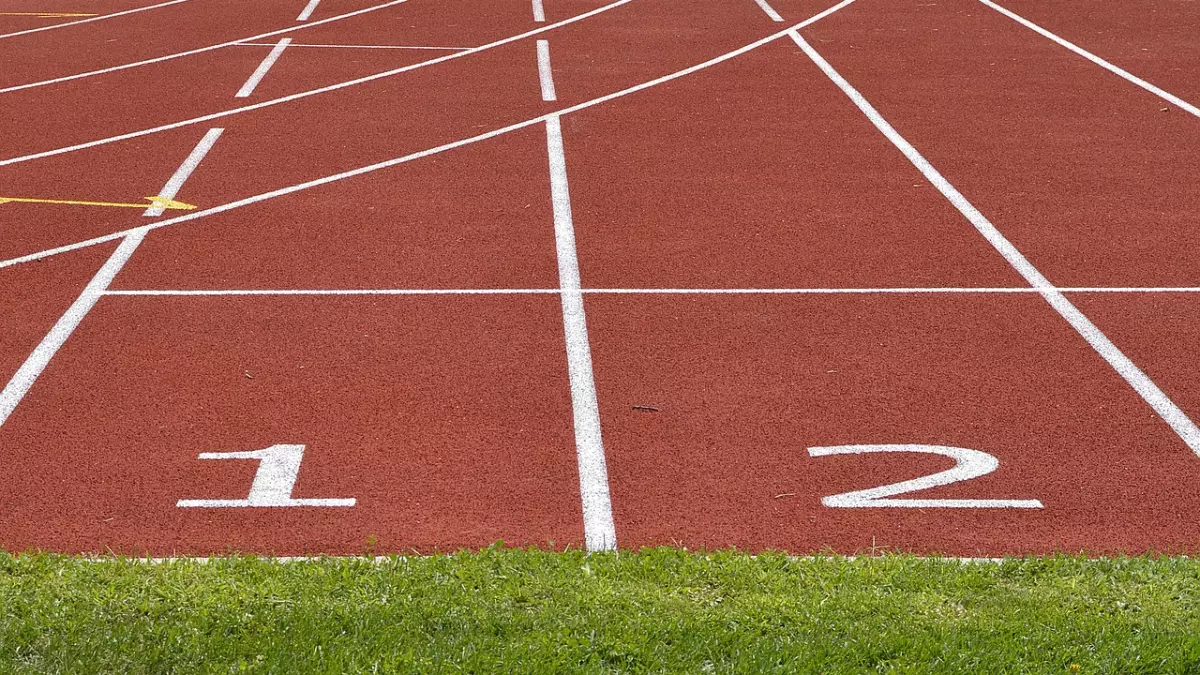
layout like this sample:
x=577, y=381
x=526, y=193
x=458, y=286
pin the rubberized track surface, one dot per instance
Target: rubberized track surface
x=599, y=274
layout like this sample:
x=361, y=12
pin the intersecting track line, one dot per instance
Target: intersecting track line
x=176, y=181
x=234, y=292
x=1116, y=70
x=1141, y=383
x=94, y=18
x=313, y=92
x=247, y=201
x=198, y=50
x=769, y=10
x=308, y=10
x=261, y=71
x=36, y=362
x=599, y=531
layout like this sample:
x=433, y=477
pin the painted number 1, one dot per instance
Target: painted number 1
x=278, y=468
x=968, y=464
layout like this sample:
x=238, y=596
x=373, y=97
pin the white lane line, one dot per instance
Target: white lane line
x=1137, y=379
x=308, y=10
x=314, y=92
x=261, y=72
x=200, y=50
x=185, y=170
x=539, y=13
x=37, y=361
x=218, y=292
x=297, y=44
x=769, y=10
x=94, y=18
x=1120, y=72
x=599, y=531
x=396, y=161
x=545, y=77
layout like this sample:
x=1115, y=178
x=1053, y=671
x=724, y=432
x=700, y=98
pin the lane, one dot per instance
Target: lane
x=446, y=419
x=740, y=387
x=1083, y=172
x=133, y=37
x=759, y=173
x=1154, y=39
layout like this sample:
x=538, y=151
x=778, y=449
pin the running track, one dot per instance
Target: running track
x=600, y=273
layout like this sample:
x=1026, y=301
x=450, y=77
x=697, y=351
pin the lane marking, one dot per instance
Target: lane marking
x=539, y=13
x=274, y=481
x=545, y=77
x=101, y=17
x=638, y=291
x=314, y=92
x=279, y=192
x=1141, y=383
x=599, y=531
x=199, y=50
x=47, y=15
x=297, y=44
x=185, y=170
x=769, y=10
x=158, y=201
x=16, y=389
x=261, y=72
x=308, y=10
x=1116, y=70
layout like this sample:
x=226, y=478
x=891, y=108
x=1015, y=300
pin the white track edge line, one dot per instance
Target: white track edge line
x=600, y=533
x=1141, y=383
x=45, y=253
x=311, y=92
x=1110, y=67
x=198, y=50
x=102, y=17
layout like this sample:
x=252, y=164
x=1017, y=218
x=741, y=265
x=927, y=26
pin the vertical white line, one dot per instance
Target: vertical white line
x=599, y=531
x=1120, y=72
x=539, y=14
x=544, y=74
x=308, y=10
x=261, y=72
x=37, y=361
x=1125, y=367
x=185, y=170
x=769, y=10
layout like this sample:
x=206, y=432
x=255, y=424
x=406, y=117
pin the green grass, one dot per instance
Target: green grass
x=655, y=611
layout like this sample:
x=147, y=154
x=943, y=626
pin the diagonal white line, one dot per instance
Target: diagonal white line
x=261, y=71
x=89, y=20
x=247, y=201
x=1120, y=72
x=770, y=11
x=308, y=10
x=185, y=170
x=1141, y=383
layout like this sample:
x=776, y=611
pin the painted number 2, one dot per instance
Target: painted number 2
x=278, y=468
x=968, y=464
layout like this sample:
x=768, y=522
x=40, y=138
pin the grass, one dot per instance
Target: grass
x=658, y=610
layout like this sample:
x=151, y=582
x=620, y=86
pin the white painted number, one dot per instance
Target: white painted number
x=278, y=468
x=968, y=464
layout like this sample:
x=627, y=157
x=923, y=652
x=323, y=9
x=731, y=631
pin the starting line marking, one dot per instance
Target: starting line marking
x=159, y=202
x=1125, y=367
x=261, y=72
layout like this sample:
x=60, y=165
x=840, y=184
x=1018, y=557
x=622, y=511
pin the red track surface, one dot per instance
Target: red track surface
x=450, y=393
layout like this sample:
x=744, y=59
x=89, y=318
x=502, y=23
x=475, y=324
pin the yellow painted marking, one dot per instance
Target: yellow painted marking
x=47, y=15
x=155, y=202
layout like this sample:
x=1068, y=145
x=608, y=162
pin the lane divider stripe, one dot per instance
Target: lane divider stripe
x=308, y=10
x=1141, y=383
x=102, y=17
x=545, y=76
x=261, y=72
x=176, y=181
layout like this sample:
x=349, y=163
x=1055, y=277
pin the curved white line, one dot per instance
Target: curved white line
x=199, y=50
x=423, y=153
x=94, y=18
x=311, y=92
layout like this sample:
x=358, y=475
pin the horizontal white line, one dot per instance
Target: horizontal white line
x=641, y=291
x=294, y=44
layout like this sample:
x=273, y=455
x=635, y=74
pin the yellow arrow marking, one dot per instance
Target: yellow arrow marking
x=46, y=15
x=155, y=202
